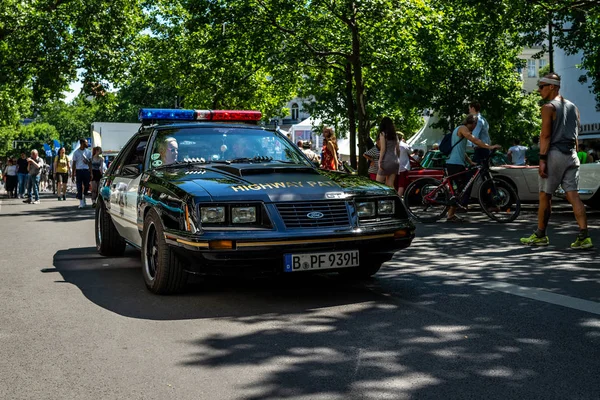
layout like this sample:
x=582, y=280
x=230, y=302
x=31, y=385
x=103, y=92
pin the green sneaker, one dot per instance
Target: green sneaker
x=580, y=243
x=534, y=240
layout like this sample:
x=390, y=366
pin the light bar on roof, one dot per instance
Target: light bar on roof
x=166, y=114
x=171, y=114
x=235, y=115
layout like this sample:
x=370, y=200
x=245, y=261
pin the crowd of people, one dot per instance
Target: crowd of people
x=26, y=177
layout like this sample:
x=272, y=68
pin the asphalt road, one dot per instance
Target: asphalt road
x=465, y=313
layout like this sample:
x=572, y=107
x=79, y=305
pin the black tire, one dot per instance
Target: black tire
x=499, y=200
x=421, y=210
x=108, y=241
x=162, y=269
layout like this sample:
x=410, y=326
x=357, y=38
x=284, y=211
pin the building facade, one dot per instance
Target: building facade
x=530, y=73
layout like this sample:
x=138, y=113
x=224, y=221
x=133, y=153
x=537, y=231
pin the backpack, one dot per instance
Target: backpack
x=446, y=146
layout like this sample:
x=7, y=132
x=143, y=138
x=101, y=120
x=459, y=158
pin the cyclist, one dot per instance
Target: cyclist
x=456, y=160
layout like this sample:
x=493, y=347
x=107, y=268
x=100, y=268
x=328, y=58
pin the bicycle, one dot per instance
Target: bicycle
x=428, y=199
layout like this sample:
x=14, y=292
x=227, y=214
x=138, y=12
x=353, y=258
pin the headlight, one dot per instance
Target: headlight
x=365, y=209
x=386, y=207
x=212, y=215
x=243, y=215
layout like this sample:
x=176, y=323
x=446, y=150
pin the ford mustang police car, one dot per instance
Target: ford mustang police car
x=211, y=192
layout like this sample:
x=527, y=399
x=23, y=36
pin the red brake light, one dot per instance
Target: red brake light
x=235, y=115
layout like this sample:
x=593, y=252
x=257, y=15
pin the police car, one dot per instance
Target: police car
x=212, y=192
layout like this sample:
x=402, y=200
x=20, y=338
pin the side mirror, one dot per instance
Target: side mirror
x=131, y=170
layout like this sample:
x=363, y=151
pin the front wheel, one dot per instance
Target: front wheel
x=426, y=208
x=499, y=200
x=162, y=269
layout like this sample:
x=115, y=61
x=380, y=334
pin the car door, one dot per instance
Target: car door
x=124, y=191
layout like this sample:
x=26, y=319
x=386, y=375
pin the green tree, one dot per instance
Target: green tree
x=43, y=44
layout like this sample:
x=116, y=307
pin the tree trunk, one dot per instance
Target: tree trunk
x=351, y=114
x=361, y=107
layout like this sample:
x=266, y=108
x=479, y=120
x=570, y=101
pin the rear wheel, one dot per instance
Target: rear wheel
x=162, y=269
x=108, y=240
x=499, y=200
x=424, y=209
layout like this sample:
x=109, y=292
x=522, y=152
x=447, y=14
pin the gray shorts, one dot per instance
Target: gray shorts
x=563, y=169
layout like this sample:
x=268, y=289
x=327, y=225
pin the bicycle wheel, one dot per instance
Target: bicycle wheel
x=422, y=208
x=499, y=200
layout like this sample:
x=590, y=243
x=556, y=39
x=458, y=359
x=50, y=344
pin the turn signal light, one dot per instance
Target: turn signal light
x=400, y=234
x=221, y=245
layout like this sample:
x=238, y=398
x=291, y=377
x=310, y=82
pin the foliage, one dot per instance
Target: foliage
x=43, y=44
x=28, y=137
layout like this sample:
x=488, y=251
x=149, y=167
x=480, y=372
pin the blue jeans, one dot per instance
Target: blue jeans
x=23, y=178
x=82, y=180
x=33, y=183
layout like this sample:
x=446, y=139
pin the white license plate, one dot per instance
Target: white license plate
x=315, y=261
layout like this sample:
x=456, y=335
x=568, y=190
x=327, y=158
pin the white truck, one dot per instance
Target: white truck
x=112, y=136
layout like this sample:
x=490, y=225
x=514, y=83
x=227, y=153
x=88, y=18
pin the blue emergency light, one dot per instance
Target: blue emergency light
x=174, y=114
x=166, y=114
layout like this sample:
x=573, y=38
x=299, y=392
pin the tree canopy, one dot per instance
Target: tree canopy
x=356, y=61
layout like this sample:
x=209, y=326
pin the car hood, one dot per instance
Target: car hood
x=267, y=182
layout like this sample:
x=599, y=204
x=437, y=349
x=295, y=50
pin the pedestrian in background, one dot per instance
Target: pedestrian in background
x=34, y=170
x=329, y=158
x=22, y=174
x=403, y=165
x=44, y=178
x=532, y=155
x=583, y=155
x=373, y=156
x=516, y=153
x=481, y=132
x=61, y=174
x=312, y=156
x=11, y=179
x=390, y=151
x=98, y=169
x=82, y=161
x=559, y=164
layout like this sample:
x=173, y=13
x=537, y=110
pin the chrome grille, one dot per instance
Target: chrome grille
x=295, y=215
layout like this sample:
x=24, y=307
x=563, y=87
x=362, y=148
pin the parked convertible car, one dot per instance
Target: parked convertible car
x=523, y=178
x=210, y=192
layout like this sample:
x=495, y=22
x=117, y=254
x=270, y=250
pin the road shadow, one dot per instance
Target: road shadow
x=116, y=284
x=424, y=328
x=435, y=334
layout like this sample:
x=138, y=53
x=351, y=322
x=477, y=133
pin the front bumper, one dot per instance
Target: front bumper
x=264, y=254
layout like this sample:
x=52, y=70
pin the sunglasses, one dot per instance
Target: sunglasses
x=540, y=87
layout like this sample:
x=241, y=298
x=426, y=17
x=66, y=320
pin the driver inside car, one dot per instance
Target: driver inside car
x=244, y=148
x=168, y=150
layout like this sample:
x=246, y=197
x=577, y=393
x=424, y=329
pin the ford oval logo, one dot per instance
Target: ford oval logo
x=315, y=215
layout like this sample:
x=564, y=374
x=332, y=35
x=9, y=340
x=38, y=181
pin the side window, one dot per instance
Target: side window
x=132, y=162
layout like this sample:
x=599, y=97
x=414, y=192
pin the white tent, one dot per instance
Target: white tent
x=427, y=135
x=344, y=147
x=305, y=130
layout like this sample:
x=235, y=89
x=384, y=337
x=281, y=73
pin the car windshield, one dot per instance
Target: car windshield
x=223, y=144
